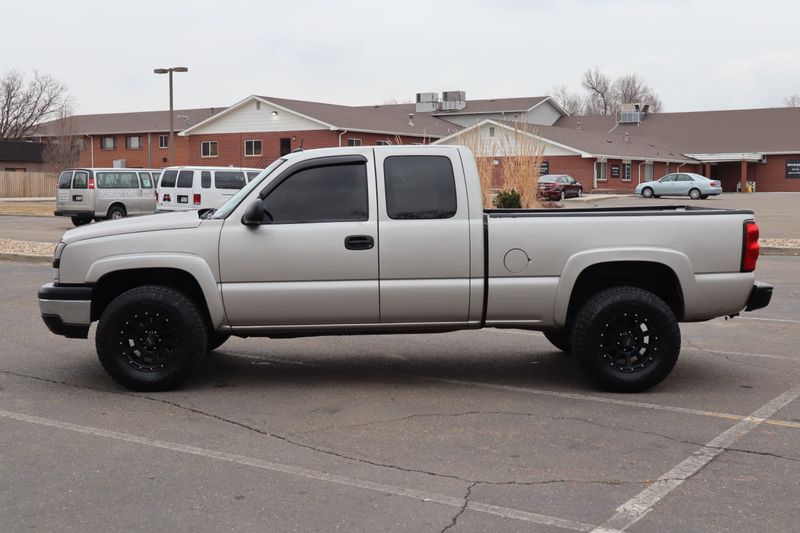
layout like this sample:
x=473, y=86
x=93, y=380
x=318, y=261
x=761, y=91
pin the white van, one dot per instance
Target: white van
x=185, y=188
x=105, y=193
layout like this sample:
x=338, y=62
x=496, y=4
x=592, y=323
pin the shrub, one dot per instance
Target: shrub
x=508, y=199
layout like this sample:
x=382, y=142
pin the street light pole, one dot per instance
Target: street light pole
x=171, y=118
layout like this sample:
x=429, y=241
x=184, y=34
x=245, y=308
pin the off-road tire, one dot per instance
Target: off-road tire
x=151, y=338
x=626, y=339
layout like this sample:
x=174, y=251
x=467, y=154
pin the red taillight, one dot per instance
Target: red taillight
x=750, y=246
x=196, y=199
x=91, y=183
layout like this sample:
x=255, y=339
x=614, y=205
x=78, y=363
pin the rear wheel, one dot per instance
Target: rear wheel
x=703, y=196
x=694, y=194
x=115, y=212
x=647, y=192
x=560, y=338
x=80, y=221
x=151, y=338
x=626, y=339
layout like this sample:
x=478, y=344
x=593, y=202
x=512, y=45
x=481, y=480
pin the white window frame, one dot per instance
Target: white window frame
x=165, y=144
x=627, y=171
x=113, y=142
x=260, y=148
x=383, y=142
x=491, y=131
x=354, y=141
x=605, y=174
x=209, y=143
x=128, y=143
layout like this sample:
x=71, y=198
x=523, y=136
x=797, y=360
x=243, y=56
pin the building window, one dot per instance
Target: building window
x=163, y=141
x=491, y=131
x=252, y=148
x=353, y=142
x=133, y=142
x=208, y=149
x=382, y=142
x=626, y=172
x=108, y=143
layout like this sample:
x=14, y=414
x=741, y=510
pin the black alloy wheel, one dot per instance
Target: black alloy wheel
x=626, y=339
x=151, y=338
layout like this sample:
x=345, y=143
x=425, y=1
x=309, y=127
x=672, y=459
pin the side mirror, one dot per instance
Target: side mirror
x=254, y=215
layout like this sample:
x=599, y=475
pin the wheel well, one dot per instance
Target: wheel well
x=117, y=204
x=654, y=277
x=113, y=284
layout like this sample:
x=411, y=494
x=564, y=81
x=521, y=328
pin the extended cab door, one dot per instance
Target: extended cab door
x=424, y=235
x=314, y=261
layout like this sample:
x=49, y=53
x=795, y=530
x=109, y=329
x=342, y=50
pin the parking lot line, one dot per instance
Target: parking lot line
x=637, y=507
x=614, y=401
x=765, y=319
x=414, y=494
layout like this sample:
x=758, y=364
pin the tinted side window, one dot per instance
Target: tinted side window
x=419, y=186
x=323, y=194
x=228, y=179
x=205, y=179
x=185, y=178
x=117, y=180
x=168, y=178
x=251, y=175
x=81, y=180
x=147, y=181
x=64, y=180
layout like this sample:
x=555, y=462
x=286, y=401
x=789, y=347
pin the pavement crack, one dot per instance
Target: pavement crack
x=739, y=361
x=463, y=508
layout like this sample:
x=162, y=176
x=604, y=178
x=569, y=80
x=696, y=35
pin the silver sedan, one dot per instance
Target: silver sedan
x=680, y=184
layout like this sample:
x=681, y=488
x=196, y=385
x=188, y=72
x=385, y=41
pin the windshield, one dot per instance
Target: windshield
x=237, y=198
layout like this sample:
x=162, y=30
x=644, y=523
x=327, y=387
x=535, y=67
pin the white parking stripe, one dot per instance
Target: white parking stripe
x=634, y=509
x=415, y=494
x=786, y=320
x=745, y=354
x=601, y=399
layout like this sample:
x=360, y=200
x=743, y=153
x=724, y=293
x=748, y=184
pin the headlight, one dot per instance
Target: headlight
x=57, y=259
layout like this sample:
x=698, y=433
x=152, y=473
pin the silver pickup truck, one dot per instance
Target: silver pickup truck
x=395, y=239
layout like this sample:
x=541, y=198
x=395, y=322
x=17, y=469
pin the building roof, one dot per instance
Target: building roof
x=389, y=118
x=120, y=123
x=497, y=105
x=770, y=130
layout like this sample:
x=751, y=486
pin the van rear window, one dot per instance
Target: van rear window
x=228, y=179
x=147, y=181
x=64, y=180
x=168, y=178
x=117, y=180
x=185, y=179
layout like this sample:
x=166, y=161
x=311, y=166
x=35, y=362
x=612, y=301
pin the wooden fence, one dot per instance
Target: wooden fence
x=27, y=184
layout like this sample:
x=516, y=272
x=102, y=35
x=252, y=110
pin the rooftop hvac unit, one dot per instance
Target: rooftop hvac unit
x=633, y=113
x=427, y=102
x=454, y=100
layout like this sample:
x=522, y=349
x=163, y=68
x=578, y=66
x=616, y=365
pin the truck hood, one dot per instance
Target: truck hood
x=106, y=228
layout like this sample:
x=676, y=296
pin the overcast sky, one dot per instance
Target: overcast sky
x=696, y=55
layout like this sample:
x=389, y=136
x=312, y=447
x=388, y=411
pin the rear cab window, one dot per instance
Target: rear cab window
x=419, y=187
x=185, y=179
x=80, y=180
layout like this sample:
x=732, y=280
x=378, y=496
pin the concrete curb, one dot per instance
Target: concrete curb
x=24, y=258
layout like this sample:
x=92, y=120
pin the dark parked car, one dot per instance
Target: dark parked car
x=559, y=186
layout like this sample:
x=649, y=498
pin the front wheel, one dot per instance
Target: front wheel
x=647, y=192
x=151, y=338
x=694, y=194
x=626, y=339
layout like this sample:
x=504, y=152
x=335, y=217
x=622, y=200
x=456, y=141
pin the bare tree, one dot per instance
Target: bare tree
x=792, y=101
x=632, y=89
x=572, y=102
x=62, y=150
x=600, y=100
x=24, y=105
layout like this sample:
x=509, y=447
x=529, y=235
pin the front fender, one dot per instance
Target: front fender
x=678, y=262
x=193, y=265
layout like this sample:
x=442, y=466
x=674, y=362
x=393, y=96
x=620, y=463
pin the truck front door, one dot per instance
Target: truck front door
x=424, y=236
x=314, y=261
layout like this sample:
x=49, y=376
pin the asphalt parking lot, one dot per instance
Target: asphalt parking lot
x=470, y=431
